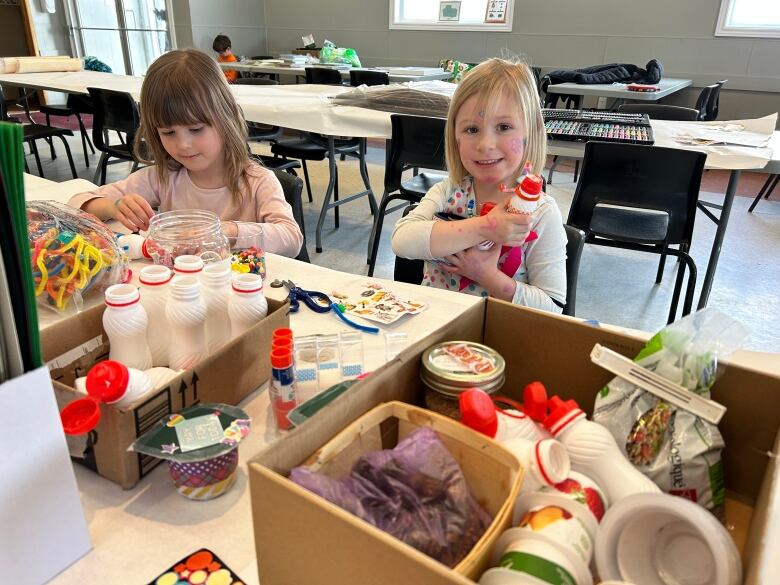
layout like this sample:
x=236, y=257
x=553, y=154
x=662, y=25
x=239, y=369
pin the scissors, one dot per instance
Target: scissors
x=319, y=302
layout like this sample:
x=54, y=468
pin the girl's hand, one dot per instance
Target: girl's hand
x=502, y=227
x=473, y=263
x=133, y=211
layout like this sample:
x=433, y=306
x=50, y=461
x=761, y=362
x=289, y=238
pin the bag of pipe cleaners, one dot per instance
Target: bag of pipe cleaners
x=73, y=255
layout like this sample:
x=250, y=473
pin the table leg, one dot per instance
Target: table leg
x=722, y=222
x=328, y=192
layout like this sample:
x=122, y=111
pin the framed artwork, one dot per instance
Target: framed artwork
x=496, y=11
x=449, y=11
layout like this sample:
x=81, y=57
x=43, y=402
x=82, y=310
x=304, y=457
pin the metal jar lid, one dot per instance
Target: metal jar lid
x=449, y=375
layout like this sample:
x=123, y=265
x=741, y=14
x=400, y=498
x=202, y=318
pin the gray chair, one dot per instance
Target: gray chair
x=292, y=187
x=708, y=101
x=662, y=111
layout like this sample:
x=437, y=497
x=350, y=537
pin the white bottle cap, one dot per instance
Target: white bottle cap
x=188, y=264
x=121, y=295
x=155, y=274
x=655, y=539
x=248, y=283
x=185, y=288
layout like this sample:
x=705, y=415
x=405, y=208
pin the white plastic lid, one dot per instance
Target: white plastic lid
x=188, y=264
x=502, y=576
x=121, y=295
x=154, y=274
x=248, y=283
x=658, y=539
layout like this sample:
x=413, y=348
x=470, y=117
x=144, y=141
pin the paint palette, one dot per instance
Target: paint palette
x=202, y=567
x=584, y=125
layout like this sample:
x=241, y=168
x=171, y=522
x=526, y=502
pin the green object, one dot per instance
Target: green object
x=330, y=53
x=303, y=412
x=544, y=570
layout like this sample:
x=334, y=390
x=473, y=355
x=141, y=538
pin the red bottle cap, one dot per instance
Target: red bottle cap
x=486, y=208
x=531, y=184
x=561, y=414
x=281, y=357
x=107, y=381
x=478, y=412
x=145, y=251
x=535, y=401
x=80, y=416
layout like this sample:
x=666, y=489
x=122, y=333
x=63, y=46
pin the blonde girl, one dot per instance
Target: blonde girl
x=193, y=136
x=494, y=126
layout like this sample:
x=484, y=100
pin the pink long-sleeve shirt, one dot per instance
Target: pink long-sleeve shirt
x=263, y=202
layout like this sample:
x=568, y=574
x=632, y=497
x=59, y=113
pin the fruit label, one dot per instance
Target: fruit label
x=561, y=526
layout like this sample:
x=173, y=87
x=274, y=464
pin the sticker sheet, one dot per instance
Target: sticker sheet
x=374, y=302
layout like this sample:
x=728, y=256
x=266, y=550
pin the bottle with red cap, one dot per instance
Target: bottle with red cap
x=247, y=305
x=479, y=412
x=593, y=451
x=155, y=283
x=114, y=383
x=134, y=246
x=125, y=322
x=528, y=195
x=282, y=389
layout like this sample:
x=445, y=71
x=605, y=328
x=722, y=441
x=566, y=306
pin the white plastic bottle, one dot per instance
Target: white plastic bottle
x=125, y=322
x=215, y=280
x=155, y=284
x=134, y=246
x=160, y=376
x=593, y=451
x=527, y=195
x=188, y=265
x=478, y=412
x=545, y=462
x=186, y=315
x=247, y=304
x=113, y=383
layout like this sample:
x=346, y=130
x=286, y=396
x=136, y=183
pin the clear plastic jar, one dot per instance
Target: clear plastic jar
x=186, y=231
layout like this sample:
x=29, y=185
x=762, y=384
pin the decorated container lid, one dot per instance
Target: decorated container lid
x=454, y=366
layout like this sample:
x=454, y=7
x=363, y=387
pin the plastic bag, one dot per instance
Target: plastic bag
x=330, y=53
x=415, y=492
x=420, y=98
x=73, y=254
x=679, y=451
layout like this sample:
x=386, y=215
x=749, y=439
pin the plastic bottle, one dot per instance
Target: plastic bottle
x=160, y=376
x=188, y=265
x=477, y=411
x=247, y=304
x=215, y=280
x=125, y=322
x=593, y=451
x=155, y=285
x=528, y=194
x=134, y=246
x=546, y=462
x=186, y=315
x=282, y=390
x=114, y=383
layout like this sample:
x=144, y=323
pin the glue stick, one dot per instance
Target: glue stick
x=282, y=389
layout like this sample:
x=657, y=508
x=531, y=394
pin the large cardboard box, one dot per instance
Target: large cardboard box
x=72, y=346
x=303, y=542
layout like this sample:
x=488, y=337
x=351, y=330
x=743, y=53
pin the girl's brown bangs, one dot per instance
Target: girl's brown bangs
x=187, y=110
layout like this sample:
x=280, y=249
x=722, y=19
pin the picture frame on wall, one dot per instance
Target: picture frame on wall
x=495, y=13
x=449, y=11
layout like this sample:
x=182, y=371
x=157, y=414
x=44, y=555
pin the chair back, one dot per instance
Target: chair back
x=323, y=76
x=3, y=106
x=661, y=111
x=117, y=111
x=364, y=77
x=575, y=242
x=408, y=269
x=714, y=100
x=80, y=103
x=292, y=187
x=255, y=81
x=626, y=183
x=416, y=141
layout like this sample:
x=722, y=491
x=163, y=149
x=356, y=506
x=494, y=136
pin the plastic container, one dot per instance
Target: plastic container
x=583, y=491
x=282, y=389
x=215, y=282
x=452, y=367
x=658, y=539
x=186, y=231
x=248, y=254
x=113, y=383
x=479, y=412
x=186, y=314
x=155, y=284
x=188, y=265
x=546, y=462
x=125, y=322
x=205, y=480
x=247, y=305
x=134, y=246
x=593, y=451
x=528, y=194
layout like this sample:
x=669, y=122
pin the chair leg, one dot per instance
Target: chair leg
x=306, y=177
x=379, y=221
x=103, y=171
x=84, y=130
x=50, y=140
x=552, y=168
x=84, y=139
x=336, y=197
x=364, y=174
x=34, y=150
x=576, y=169
x=661, y=264
x=685, y=260
x=134, y=168
x=70, y=157
x=328, y=194
x=96, y=177
x=372, y=235
x=765, y=191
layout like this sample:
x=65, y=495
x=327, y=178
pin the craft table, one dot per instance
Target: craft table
x=272, y=69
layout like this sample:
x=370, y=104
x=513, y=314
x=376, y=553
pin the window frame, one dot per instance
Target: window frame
x=450, y=26
x=722, y=29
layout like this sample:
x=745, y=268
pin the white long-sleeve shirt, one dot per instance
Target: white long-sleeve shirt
x=542, y=274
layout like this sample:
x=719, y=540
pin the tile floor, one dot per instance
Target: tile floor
x=615, y=286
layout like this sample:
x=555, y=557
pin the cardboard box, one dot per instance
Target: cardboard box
x=72, y=346
x=310, y=544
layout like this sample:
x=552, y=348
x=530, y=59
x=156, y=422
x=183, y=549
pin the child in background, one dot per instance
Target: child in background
x=224, y=50
x=494, y=126
x=196, y=138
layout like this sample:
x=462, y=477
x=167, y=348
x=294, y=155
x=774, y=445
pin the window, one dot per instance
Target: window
x=480, y=15
x=749, y=18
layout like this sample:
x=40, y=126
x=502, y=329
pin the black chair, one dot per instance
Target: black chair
x=323, y=76
x=33, y=132
x=766, y=190
x=662, y=111
x=260, y=132
x=364, y=77
x=641, y=198
x=117, y=111
x=416, y=142
x=293, y=187
x=708, y=101
x=411, y=271
x=76, y=105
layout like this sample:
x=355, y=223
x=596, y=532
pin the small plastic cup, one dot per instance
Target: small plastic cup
x=205, y=480
x=582, y=490
x=395, y=343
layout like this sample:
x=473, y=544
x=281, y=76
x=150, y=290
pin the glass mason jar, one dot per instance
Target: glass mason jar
x=186, y=231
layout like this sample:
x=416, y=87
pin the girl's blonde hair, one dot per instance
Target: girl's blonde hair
x=490, y=80
x=186, y=87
